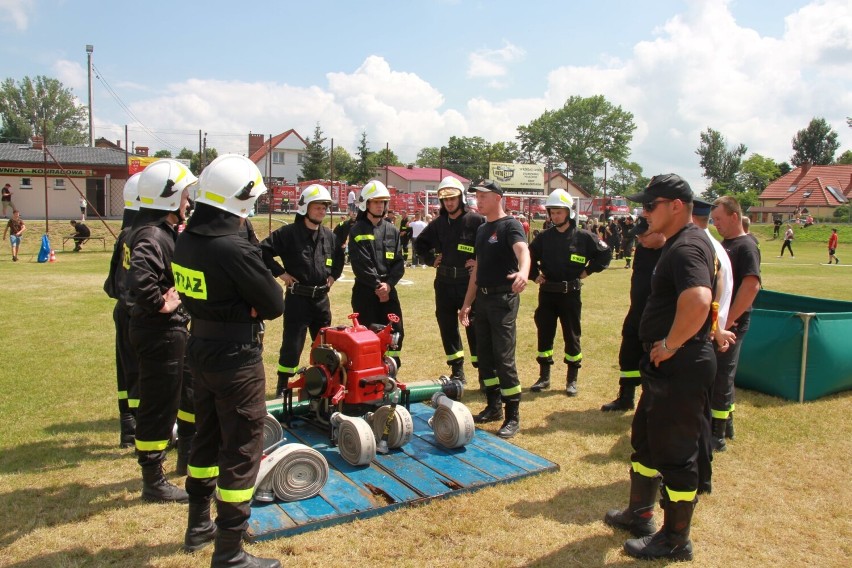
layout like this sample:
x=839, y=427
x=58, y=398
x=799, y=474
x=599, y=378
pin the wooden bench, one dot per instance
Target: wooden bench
x=87, y=239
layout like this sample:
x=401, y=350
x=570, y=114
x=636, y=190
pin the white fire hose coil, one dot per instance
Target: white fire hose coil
x=273, y=432
x=292, y=472
x=452, y=422
x=355, y=439
x=402, y=425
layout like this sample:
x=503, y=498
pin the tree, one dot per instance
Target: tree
x=757, y=172
x=41, y=107
x=381, y=158
x=194, y=158
x=845, y=158
x=163, y=154
x=626, y=179
x=583, y=134
x=429, y=157
x=361, y=174
x=785, y=168
x=720, y=164
x=344, y=164
x=315, y=165
x=815, y=144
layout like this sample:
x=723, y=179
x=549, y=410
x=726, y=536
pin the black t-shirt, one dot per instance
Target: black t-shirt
x=495, y=257
x=745, y=260
x=687, y=261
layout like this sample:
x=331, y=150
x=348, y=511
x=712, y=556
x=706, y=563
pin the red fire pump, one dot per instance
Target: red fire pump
x=350, y=377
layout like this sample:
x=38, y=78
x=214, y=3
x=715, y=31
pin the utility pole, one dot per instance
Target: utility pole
x=89, y=49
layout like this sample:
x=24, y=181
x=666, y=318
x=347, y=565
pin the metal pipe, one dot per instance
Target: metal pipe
x=806, y=321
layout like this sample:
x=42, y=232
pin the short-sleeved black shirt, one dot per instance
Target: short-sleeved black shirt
x=745, y=260
x=495, y=257
x=687, y=261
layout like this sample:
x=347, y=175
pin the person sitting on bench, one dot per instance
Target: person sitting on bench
x=81, y=234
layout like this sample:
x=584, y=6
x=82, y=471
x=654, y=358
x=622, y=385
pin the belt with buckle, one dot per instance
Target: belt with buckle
x=239, y=332
x=453, y=271
x=561, y=287
x=496, y=290
x=309, y=291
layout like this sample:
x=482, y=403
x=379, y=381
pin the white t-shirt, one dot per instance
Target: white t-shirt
x=727, y=281
x=350, y=199
x=417, y=228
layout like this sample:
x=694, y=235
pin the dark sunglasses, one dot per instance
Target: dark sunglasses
x=649, y=206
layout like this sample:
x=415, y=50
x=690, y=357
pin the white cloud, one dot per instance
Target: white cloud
x=71, y=74
x=494, y=63
x=17, y=12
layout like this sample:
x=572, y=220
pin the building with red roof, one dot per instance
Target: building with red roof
x=287, y=151
x=818, y=189
x=412, y=180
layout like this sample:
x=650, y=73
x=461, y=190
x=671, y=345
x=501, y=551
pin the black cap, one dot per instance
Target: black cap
x=640, y=227
x=701, y=208
x=666, y=186
x=486, y=185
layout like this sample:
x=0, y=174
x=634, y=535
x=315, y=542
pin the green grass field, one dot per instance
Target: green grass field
x=70, y=498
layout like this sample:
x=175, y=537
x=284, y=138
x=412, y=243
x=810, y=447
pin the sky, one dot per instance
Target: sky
x=411, y=74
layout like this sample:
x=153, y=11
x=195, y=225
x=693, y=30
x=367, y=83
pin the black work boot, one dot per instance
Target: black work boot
x=127, y=439
x=184, y=444
x=729, y=426
x=543, y=381
x=672, y=541
x=624, y=401
x=283, y=382
x=200, y=530
x=457, y=371
x=512, y=424
x=228, y=552
x=638, y=516
x=571, y=380
x=717, y=435
x=155, y=487
x=494, y=410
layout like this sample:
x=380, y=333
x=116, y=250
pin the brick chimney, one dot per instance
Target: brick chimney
x=142, y=151
x=255, y=143
x=38, y=143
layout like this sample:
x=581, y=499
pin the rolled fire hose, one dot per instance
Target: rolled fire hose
x=291, y=472
x=452, y=422
x=355, y=439
x=273, y=432
x=402, y=427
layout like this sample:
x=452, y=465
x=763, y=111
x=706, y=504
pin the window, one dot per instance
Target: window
x=277, y=157
x=26, y=183
x=836, y=193
x=59, y=184
x=807, y=194
x=302, y=158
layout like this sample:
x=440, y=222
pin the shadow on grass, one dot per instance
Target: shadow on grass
x=27, y=510
x=95, y=426
x=142, y=555
x=579, y=553
x=57, y=454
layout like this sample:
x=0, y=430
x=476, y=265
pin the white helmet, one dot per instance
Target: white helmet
x=450, y=187
x=232, y=183
x=311, y=194
x=373, y=189
x=162, y=183
x=560, y=198
x=131, y=192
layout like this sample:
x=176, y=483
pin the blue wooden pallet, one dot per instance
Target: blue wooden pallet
x=418, y=472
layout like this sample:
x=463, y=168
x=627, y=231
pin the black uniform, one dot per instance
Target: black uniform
x=165, y=389
x=310, y=257
x=126, y=363
x=341, y=237
x=81, y=234
x=630, y=353
x=561, y=257
x=376, y=257
x=497, y=306
x=221, y=277
x=671, y=414
x=453, y=240
x=404, y=236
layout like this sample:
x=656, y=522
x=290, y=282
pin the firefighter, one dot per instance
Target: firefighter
x=677, y=370
x=447, y=243
x=560, y=259
x=311, y=264
x=376, y=257
x=126, y=364
x=341, y=235
x=630, y=353
x=228, y=291
x=158, y=326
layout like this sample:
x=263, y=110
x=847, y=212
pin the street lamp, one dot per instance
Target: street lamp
x=89, y=50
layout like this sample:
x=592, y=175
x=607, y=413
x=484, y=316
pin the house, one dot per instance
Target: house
x=558, y=180
x=288, y=151
x=46, y=184
x=819, y=189
x=412, y=180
